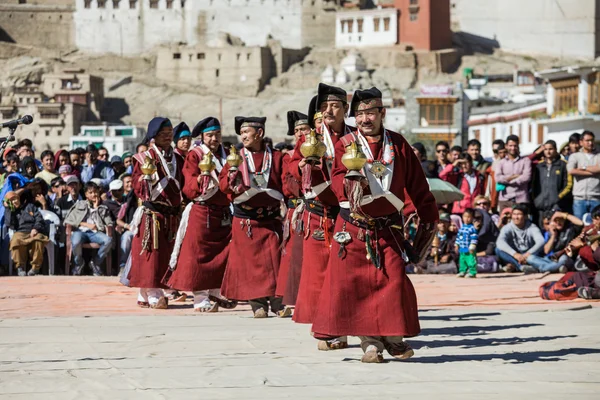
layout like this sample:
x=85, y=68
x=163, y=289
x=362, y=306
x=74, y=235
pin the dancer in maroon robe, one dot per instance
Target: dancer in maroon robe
x=320, y=205
x=255, y=188
x=288, y=279
x=202, y=244
x=366, y=292
x=155, y=222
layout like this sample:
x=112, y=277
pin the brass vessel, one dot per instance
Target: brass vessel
x=354, y=159
x=207, y=165
x=313, y=149
x=234, y=159
x=148, y=168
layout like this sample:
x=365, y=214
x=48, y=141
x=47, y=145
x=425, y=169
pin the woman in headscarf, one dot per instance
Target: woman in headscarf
x=29, y=168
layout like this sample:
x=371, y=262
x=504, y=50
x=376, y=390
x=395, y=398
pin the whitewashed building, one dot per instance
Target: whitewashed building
x=366, y=28
x=573, y=101
x=117, y=139
x=487, y=124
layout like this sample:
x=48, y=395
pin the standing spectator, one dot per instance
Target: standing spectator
x=551, y=182
x=61, y=158
x=89, y=220
x=29, y=168
x=574, y=145
x=442, y=149
x=48, y=173
x=455, y=153
x=67, y=201
x=24, y=148
x=470, y=181
x=479, y=163
x=519, y=241
x=102, y=154
x=11, y=165
x=140, y=148
x=584, y=166
x=128, y=162
x=513, y=174
x=117, y=165
x=499, y=154
x=75, y=159
x=95, y=168
x=466, y=245
x=30, y=235
x=428, y=166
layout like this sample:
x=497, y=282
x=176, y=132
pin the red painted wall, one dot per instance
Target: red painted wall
x=431, y=30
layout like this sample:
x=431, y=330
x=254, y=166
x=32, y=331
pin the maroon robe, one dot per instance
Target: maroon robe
x=205, y=247
x=290, y=267
x=316, y=253
x=150, y=266
x=358, y=299
x=253, y=262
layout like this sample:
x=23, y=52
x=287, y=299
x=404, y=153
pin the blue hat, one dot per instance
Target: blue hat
x=208, y=124
x=154, y=126
x=180, y=131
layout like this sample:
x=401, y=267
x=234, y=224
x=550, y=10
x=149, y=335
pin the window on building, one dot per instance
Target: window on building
x=248, y=57
x=182, y=3
x=566, y=95
x=200, y=56
x=176, y=56
x=414, y=2
x=47, y=132
x=153, y=3
x=350, y=25
x=530, y=134
x=217, y=73
x=132, y=4
x=386, y=24
x=413, y=16
x=219, y=57
x=436, y=114
x=169, y=4
x=376, y=22
x=494, y=134
x=359, y=25
x=477, y=134
x=237, y=56
x=594, y=93
x=116, y=3
x=59, y=132
x=87, y=3
x=101, y=3
x=540, y=135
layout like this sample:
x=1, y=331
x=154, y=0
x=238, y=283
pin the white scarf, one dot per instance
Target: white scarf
x=251, y=171
x=379, y=187
x=163, y=183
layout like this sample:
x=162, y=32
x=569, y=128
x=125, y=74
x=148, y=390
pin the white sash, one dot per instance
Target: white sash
x=379, y=187
x=163, y=183
x=254, y=188
x=213, y=186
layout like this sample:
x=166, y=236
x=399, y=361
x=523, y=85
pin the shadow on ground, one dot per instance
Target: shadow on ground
x=479, y=342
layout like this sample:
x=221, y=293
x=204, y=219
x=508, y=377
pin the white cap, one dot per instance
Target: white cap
x=97, y=181
x=71, y=179
x=117, y=184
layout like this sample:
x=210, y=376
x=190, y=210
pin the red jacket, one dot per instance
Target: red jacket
x=449, y=174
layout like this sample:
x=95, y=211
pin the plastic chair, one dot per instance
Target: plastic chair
x=93, y=246
x=587, y=219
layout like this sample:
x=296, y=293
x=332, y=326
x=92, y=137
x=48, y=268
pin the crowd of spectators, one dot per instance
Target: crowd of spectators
x=519, y=213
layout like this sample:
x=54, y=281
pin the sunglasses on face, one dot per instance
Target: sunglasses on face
x=441, y=151
x=485, y=203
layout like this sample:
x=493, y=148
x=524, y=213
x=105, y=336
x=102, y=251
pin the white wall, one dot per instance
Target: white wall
x=554, y=27
x=127, y=31
x=368, y=36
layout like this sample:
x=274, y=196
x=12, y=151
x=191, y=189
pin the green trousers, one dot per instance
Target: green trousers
x=467, y=263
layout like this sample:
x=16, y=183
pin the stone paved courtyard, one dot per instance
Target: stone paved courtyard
x=90, y=342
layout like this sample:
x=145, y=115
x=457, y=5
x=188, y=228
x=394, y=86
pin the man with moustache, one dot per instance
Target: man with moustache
x=200, y=253
x=155, y=222
x=255, y=189
x=288, y=278
x=320, y=205
x=366, y=292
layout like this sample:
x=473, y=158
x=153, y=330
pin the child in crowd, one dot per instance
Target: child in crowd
x=466, y=245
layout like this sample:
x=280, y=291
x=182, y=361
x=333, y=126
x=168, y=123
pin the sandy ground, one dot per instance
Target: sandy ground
x=84, y=338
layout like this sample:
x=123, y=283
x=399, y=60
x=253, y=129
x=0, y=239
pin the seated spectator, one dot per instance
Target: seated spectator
x=519, y=242
x=127, y=183
x=58, y=187
x=30, y=232
x=48, y=173
x=466, y=246
x=24, y=149
x=561, y=229
x=103, y=189
x=94, y=168
x=551, y=182
x=11, y=165
x=89, y=219
x=28, y=167
x=76, y=161
x=504, y=218
x=486, y=242
x=103, y=154
x=116, y=199
x=470, y=181
x=61, y=158
x=65, y=170
x=442, y=257
x=124, y=219
x=128, y=162
x=117, y=165
x=67, y=201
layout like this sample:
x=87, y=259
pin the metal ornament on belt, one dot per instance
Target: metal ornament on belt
x=259, y=179
x=171, y=168
x=378, y=169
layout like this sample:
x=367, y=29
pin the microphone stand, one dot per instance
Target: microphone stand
x=10, y=138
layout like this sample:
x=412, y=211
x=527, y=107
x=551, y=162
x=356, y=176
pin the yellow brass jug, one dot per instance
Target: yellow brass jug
x=313, y=149
x=207, y=165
